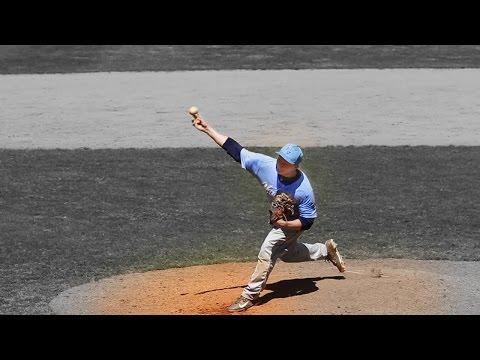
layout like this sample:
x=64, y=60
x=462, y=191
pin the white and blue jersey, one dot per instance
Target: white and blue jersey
x=264, y=168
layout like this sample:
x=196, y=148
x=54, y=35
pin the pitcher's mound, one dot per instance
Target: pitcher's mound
x=384, y=286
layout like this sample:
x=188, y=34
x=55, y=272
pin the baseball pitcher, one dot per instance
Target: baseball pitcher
x=292, y=210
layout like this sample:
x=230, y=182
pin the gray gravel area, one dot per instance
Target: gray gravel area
x=461, y=280
x=269, y=108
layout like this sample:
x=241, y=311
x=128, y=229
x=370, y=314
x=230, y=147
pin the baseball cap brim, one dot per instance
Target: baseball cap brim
x=283, y=157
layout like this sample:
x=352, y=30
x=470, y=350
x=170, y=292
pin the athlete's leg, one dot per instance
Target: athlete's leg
x=273, y=247
x=299, y=252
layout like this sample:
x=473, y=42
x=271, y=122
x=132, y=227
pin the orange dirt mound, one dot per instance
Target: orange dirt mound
x=368, y=287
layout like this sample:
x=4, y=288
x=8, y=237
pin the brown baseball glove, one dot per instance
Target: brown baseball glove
x=282, y=207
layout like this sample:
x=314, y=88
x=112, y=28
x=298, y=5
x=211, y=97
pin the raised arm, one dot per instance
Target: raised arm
x=228, y=144
x=203, y=126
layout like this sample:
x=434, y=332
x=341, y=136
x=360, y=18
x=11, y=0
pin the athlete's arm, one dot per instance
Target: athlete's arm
x=203, y=126
x=228, y=144
x=293, y=224
x=297, y=224
x=306, y=222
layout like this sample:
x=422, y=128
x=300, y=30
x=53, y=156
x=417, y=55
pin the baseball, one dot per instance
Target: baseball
x=193, y=110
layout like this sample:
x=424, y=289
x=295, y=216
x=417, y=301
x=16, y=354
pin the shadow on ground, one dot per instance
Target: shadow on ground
x=293, y=287
x=219, y=289
x=283, y=288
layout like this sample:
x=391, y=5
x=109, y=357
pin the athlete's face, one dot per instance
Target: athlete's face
x=286, y=169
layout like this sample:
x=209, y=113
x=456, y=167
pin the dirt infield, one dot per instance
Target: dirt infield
x=381, y=286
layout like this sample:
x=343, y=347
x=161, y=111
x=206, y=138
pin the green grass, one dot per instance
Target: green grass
x=70, y=216
x=27, y=59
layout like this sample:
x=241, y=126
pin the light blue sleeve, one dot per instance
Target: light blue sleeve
x=306, y=206
x=252, y=161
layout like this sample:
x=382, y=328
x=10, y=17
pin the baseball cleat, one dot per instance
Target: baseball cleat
x=334, y=256
x=241, y=304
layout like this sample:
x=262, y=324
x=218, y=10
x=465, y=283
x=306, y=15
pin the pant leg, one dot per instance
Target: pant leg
x=273, y=247
x=299, y=252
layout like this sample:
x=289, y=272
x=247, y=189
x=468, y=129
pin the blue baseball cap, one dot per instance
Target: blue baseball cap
x=291, y=153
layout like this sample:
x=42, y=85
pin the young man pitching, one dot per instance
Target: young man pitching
x=276, y=175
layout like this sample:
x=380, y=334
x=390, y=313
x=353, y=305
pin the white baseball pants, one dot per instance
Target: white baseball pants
x=280, y=244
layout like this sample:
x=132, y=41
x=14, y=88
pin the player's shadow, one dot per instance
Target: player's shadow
x=283, y=288
x=293, y=287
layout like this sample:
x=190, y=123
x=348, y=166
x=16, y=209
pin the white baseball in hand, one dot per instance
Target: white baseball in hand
x=193, y=111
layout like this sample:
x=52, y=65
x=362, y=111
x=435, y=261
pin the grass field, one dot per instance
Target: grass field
x=70, y=216
x=17, y=59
